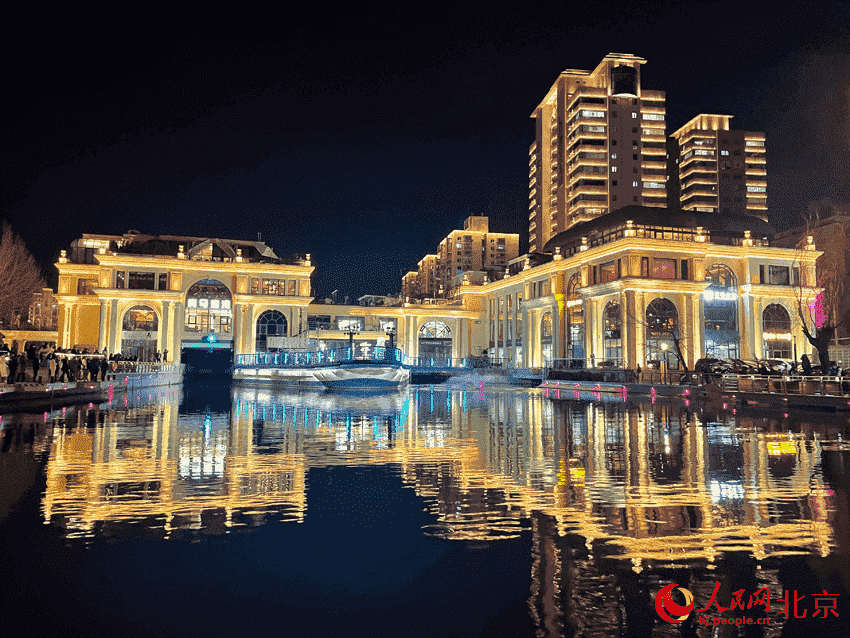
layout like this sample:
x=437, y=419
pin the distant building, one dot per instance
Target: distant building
x=829, y=227
x=714, y=169
x=599, y=145
x=44, y=310
x=473, y=249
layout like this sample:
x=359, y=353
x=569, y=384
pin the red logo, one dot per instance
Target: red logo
x=664, y=602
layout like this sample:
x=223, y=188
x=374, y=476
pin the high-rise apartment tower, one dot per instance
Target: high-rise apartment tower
x=719, y=170
x=599, y=146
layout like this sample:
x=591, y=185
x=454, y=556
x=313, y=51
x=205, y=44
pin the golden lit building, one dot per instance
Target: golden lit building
x=472, y=250
x=599, y=145
x=631, y=286
x=142, y=294
x=720, y=170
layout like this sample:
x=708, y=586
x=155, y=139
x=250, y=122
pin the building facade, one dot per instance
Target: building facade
x=600, y=144
x=719, y=170
x=629, y=289
x=472, y=250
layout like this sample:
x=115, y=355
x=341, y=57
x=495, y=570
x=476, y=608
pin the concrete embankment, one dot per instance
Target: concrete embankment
x=30, y=396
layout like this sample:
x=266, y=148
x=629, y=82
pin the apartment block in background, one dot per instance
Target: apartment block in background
x=719, y=170
x=599, y=145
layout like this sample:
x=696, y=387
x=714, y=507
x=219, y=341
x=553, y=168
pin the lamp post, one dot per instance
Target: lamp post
x=351, y=330
x=390, y=332
x=664, y=371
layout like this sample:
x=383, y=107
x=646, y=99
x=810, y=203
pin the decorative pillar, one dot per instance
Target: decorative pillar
x=237, y=328
x=113, y=336
x=526, y=339
x=179, y=320
x=515, y=330
x=103, y=337
x=589, y=316
x=640, y=329
x=162, y=336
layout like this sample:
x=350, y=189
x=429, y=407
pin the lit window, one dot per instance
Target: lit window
x=613, y=169
x=613, y=156
x=635, y=184
x=634, y=116
x=724, y=152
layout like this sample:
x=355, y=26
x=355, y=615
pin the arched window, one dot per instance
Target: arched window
x=141, y=319
x=209, y=308
x=776, y=331
x=139, y=337
x=546, y=338
x=271, y=323
x=575, y=319
x=435, y=340
x=720, y=308
x=612, y=320
x=662, y=329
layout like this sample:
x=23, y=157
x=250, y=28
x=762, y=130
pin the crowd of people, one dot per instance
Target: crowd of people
x=49, y=365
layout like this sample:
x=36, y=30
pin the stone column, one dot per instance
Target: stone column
x=162, y=336
x=114, y=343
x=625, y=332
x=464, y=338
x=640, y=329
x=515, y=330
x=250, y=337
x=237, y=328
x=179, y=320
x=589, y=316
x=526, y=339
x=103, y=338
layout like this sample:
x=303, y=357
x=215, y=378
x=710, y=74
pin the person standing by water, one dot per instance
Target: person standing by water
x=13, y=367
x=51, y=367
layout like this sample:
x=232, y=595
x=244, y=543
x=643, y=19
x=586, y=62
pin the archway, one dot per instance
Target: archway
x=662, y=329
x=270, y=326
x=612, y=319
x=720, y=307
x=435, y=340
x=575, y=319
x=139, y=333
x=546, y=338
x=209, y=310
x=776, y=332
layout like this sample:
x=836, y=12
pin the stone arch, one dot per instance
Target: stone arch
x=139, y=336
x=435, y=340
x=209, y=309
x=776, y=331
x=271, y=323
x=662, y=328
x=720, y=309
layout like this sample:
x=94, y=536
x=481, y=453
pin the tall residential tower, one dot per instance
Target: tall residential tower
x=719, y=170
x=599, y=146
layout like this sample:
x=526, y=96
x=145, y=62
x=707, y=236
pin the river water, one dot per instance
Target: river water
x=438, y=511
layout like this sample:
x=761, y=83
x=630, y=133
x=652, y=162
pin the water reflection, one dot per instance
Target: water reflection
x=652, y=487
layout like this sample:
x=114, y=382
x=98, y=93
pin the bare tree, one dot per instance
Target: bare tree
x=661, y=326
x=818, y=298
x=20, y=275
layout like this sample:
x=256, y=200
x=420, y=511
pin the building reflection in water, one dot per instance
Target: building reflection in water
x=651, y=487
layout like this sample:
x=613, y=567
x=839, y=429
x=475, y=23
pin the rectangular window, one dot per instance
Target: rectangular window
x=595, y=274
x=255, y=286
x=163, y=281
x=292, y=289
x=86, y=286
x=613, y=169
x=141, y=281
x=684, y=269
x=779, y=276
x=609, y=271
x=664, y=268
x=644, y=266
x=120, y=279
x=318, y=322
x=795, y=272
x=761, y=275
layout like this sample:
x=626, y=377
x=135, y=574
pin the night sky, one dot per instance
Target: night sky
x=364, y=135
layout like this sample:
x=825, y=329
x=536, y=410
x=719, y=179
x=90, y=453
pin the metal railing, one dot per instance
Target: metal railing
x=313, y=359
x=791, y=385
x=586, y=363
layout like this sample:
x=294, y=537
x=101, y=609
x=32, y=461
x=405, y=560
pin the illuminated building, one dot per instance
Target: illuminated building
x=472, y=250
x=617, y=288
x=599, y=145
x=43, y=311
x=141, y=294
x=719, y=170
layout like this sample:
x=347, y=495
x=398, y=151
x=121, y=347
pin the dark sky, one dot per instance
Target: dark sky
x=364, y=135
